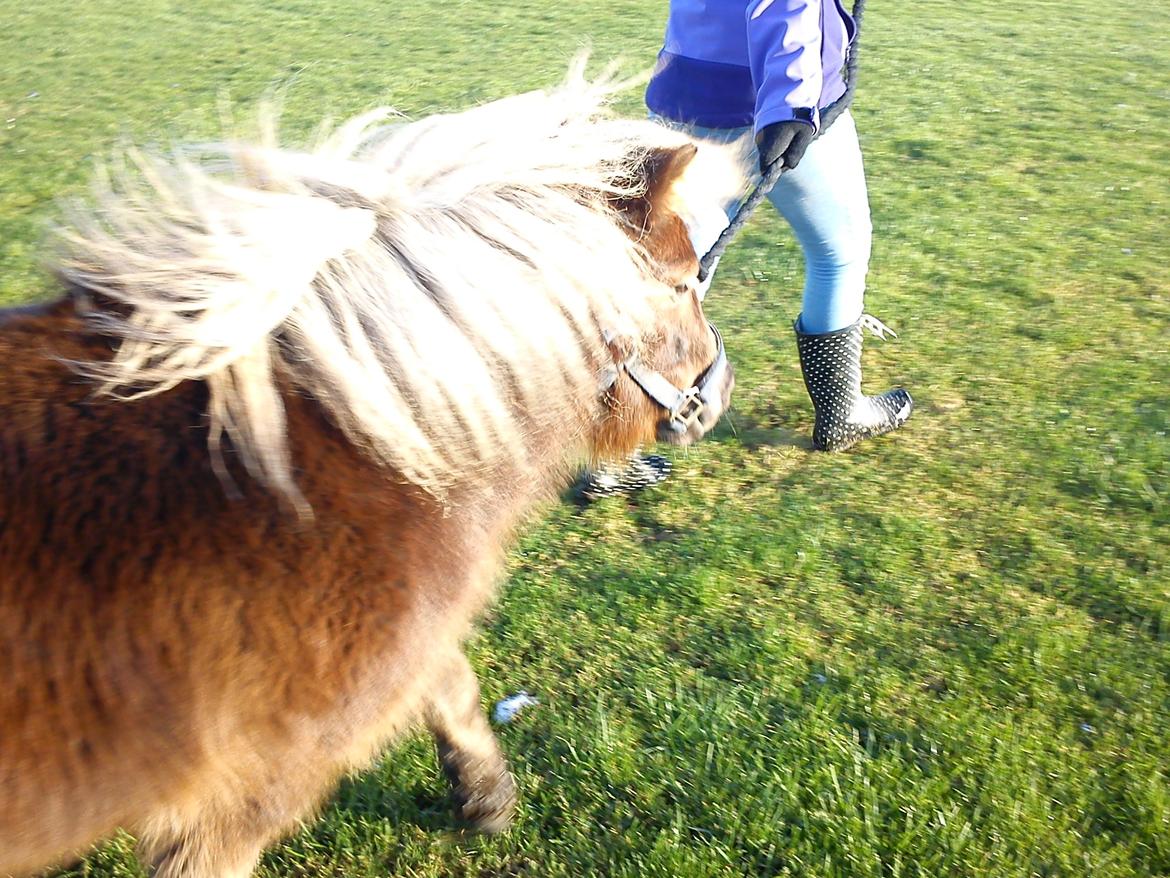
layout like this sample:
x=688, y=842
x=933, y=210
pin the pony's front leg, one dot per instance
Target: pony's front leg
x=485, y=794
x=216, y=843
x=223, y=834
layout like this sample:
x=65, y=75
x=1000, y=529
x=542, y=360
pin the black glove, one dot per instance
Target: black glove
x=783, y=140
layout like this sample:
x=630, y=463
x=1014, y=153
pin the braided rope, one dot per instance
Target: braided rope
x=776, y=169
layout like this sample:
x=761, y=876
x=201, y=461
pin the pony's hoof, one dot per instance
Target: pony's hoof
x=487, y=806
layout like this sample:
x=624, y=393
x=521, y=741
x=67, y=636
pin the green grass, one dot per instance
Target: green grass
x=945, y=654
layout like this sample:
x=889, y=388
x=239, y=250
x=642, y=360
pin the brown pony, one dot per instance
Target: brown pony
x=258, y=465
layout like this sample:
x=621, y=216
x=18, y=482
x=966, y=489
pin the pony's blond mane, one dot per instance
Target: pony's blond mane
x=428, y=283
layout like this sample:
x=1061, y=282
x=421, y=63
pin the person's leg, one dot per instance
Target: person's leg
x=825, y=201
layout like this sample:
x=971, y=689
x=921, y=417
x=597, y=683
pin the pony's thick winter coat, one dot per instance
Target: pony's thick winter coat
x=348, y=373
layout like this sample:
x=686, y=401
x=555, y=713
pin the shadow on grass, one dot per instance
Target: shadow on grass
x=423, y=803
x=752, y=434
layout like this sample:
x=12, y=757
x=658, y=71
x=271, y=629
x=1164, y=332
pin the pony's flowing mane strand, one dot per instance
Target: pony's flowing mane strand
x=434, y=285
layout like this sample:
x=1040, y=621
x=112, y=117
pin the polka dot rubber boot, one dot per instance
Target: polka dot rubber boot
x=831, y=363
x=608, y=480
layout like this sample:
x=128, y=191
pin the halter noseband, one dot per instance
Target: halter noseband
x=683, y=406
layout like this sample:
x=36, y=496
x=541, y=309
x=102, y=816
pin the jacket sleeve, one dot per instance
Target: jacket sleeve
x=784, y=45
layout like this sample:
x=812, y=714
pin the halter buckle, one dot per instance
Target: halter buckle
x=688, y=410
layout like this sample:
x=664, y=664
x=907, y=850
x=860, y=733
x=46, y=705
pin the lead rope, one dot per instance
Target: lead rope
x=776, y=169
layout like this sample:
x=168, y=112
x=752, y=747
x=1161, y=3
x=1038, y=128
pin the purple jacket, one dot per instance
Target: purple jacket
x=733, y=63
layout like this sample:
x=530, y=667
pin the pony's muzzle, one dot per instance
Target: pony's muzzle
x=705, y=402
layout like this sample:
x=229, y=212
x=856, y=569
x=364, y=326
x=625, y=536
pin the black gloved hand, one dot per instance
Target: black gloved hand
x=786, y=141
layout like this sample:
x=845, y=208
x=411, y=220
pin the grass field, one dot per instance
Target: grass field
x=944, y=654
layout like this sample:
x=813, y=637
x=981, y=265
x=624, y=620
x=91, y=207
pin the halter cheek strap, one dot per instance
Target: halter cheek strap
x=683, y=406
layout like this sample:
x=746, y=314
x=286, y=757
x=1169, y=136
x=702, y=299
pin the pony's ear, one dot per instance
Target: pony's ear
x=662, y=168
x=651, y=219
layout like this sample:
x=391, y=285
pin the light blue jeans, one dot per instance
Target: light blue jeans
x=825, y=201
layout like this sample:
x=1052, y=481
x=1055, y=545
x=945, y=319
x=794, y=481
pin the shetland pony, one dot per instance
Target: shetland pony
x=259, y=463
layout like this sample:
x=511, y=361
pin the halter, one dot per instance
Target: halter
x=683, y=406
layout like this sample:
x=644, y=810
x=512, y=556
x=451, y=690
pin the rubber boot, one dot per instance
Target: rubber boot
x=831, y=363
x=608, y=480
